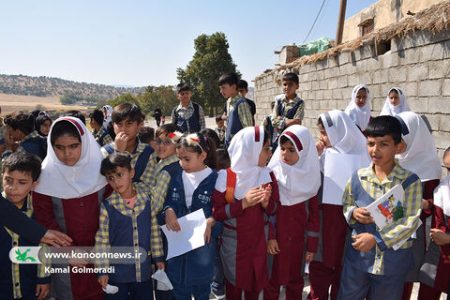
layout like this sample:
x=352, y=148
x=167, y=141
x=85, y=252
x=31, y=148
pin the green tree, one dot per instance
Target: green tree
x=122, y=99
x=163, y=97
x=211, y=59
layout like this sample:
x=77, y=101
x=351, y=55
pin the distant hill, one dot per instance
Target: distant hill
x=43, y=86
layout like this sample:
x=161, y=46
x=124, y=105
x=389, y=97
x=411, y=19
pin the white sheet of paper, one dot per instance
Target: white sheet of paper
x=190, y=237
x=338, y=170
x=384, y=209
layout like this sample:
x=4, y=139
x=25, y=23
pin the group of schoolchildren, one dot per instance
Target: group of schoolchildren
x=267, y=214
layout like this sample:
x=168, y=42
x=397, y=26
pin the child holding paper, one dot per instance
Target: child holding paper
x=296, y=167
x=190, y=189
x=377, y=259
x=343, y=150
x=421, y=158
x=245, y=195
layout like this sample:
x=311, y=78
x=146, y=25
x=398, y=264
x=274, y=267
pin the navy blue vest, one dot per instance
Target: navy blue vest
x=194, y=120
x=121, y=235
x=35, y=145
x=196, y=266
x=234, y=123
x=395, y=261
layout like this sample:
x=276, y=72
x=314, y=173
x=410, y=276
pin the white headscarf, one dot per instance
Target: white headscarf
x=359, y=115
x=343, y=134
x=393, y=110
x=244, y=152
x=107, y=118
x=442, y=195
x=84, y=178
x=420, y=155
x=301, y=181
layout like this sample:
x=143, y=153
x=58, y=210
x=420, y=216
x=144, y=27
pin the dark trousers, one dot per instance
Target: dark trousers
x=132, y=291
x=359, y=285
x=321, y=278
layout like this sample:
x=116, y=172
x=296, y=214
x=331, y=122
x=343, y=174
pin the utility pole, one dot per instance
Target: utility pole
x=341, y=19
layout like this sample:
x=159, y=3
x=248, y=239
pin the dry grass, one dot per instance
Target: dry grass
x=14, y=103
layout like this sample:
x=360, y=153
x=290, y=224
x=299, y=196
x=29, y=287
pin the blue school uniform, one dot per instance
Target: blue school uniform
x=234, y=123
x=192, y=273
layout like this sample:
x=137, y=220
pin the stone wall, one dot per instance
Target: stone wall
x=419, y=63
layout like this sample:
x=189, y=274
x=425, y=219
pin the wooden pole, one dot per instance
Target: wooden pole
x=341, y=19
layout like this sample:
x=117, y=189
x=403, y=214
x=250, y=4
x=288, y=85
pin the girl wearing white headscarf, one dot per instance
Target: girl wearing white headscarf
x=360, y=106
x=243, y=198
x=395, y=102
x=420, y=157
x=346, y=152
x=295, y=164
x=68, y=195
x=435, y=275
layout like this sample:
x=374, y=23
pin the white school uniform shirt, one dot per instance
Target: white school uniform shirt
x=191, y=181
x=393, y=110
x=301, y=181
x=442, y=195
x=359, y=115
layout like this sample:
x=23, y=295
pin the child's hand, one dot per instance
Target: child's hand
x=362, y=215
x=42, y=291
x=267, y=194
x=309, y=256
x=363, y=242
x=253, y=197
x=207, y=234
x=320, y=146
x=160, y=265
x=171, y=220
x=103, y=280
x=439, y=237
x=121, y=141
x=272, y=247
x=426, y=204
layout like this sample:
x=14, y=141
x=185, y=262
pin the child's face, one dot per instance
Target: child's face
x=16, y=135
x=67, y=149
x=165, y=147
x=361, y=98
x=323, y=137
x=120, y=180
x=227, y=90
x=382, y=150
x=394, y=98
x=289, y=88
x=446, y=161
x=129, y=127
x=17, y=185
x=45, y=127
x=191, y=161
x=220, y=123
x=265, y=154
x=288, y=153
x=184, y=97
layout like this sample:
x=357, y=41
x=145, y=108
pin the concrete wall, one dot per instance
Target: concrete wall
x=419, y=63
x=384, y=12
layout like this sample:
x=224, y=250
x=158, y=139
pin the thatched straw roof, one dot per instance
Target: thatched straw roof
x=434, y=19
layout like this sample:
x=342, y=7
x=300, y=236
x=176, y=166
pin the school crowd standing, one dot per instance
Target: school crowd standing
x=264, y=191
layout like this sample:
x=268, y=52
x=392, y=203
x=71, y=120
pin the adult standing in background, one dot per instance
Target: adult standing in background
x=188, y=115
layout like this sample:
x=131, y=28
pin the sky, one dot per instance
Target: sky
x=143, y=42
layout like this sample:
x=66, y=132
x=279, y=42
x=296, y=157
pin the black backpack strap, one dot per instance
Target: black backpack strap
x=141, y=163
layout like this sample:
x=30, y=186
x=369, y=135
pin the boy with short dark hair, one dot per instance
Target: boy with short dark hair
x=128, y=119
x=238, y=111
x=243, y=91
x=100, y=133
x=147, y=135
x=289, y=108
x=21, y=171
x=21, y=129
x=188, y=115
x=377, y=260
x=128, y=210
x=221, y=129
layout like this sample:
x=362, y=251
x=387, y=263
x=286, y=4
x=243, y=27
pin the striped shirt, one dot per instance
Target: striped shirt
x=245, y=115
x=399, y=230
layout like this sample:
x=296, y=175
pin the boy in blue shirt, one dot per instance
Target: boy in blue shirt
x=377, y=260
